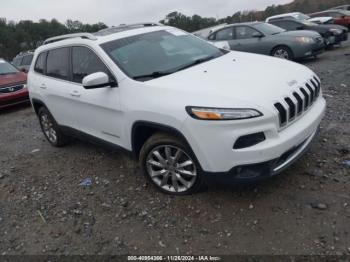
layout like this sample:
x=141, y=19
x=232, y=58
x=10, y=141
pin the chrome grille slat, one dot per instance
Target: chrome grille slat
x=11, y=89
x=312, y=93
x=290, y=107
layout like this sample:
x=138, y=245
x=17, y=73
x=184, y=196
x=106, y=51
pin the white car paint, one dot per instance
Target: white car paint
x=235, y=80
x=321, y=20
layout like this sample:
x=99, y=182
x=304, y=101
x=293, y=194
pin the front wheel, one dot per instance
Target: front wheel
x=168, y=163
x=283, y=52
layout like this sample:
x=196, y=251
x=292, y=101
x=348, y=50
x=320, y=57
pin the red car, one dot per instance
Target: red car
x=341, y=17
x=13, y=88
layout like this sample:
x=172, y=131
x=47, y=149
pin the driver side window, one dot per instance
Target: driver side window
x=86, y=62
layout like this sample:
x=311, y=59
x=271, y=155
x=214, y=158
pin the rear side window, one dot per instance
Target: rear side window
x=40, y=63
x=27, y=60
x=86, y=62
x=17, y=61
x=57, y=63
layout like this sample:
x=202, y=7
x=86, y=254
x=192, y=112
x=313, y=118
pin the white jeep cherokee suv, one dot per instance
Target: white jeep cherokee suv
x=190, y=112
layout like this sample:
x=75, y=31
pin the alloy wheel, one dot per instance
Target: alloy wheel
x=171, y=168
x=281, y=53
x=48, y=128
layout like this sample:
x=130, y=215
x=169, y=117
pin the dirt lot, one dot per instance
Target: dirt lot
x=43, y=210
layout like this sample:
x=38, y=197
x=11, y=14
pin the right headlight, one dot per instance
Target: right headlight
x=207, y=113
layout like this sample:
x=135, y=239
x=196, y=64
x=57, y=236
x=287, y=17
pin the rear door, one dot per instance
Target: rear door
x=60, y=92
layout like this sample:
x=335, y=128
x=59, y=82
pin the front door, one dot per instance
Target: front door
x=99, y=111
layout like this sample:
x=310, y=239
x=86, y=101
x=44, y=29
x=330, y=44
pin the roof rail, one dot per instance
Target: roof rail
x=63, y=37
x=125, y=27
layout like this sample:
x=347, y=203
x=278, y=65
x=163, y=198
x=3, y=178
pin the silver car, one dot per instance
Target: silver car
x=267, y=39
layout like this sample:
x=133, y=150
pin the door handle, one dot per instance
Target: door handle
x=75, y=94
x=43, y=86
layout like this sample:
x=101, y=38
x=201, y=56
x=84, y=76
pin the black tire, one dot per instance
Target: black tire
x=283, y=52
x=173, y=170
x=60, y=139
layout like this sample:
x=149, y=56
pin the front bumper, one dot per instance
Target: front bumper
x=336, y=39
x=11, y=99
x=260, y=171
x=308, y=50
x=212, y=143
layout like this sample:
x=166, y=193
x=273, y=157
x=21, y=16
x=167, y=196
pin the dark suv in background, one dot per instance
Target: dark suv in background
x=23, y=60
x=332, y=34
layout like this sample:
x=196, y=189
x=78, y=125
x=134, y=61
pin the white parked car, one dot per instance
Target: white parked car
x=189, y=111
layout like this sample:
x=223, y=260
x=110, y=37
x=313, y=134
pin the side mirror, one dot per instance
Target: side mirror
x=97, y=80
x=257, y=35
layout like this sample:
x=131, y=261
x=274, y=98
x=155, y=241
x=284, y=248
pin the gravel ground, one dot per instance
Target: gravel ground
x=43, y=210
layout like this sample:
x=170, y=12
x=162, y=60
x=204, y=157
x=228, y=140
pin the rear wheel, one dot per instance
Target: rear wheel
x=283, y=52
x=50, y=128
x=168, y=163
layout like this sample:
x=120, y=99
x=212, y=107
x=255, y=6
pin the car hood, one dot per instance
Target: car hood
x=236, y=79
x=308, y=33
x=323, y=19
x=327, y=27
x=12, y=79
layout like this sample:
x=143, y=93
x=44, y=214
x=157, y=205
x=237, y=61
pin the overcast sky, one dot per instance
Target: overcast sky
x=115, y=12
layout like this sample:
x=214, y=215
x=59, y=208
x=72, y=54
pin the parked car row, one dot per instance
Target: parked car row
x=340, y=17
x=267, y=39
x=290, y=36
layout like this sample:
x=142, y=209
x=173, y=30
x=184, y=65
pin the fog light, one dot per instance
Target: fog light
x=249, y=140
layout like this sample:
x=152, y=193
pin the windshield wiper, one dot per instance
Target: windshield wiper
x=153, y=75
x=196, y=62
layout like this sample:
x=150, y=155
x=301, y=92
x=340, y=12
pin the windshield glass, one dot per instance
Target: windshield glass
x=6, y=68
x=159, y=53
x=309, y=23
x=302, y=17
x=346, y=13
x=268, y=29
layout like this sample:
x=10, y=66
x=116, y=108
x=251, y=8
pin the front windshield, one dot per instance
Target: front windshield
x=309, y=23
x=6, y=68
x=155, y=54
x=302, y=17
x=345, y=12
x=268, y=29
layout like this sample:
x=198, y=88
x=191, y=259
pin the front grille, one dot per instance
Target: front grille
x=298, y=102
x=11, y=89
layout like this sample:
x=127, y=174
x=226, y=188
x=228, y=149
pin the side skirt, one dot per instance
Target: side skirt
x=68, y=131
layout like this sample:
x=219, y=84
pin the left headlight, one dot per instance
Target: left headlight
x=207, y=113
x=306, y=40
